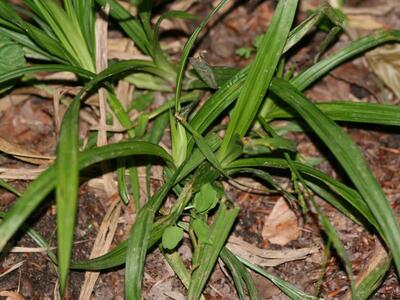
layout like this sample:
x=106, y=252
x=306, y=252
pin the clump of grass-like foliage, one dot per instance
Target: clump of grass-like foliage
x=47, y=36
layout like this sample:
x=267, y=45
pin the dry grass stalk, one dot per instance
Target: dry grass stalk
x=101, y=64
x=56, y=104
x=30, y=250
x=21, y=173
x=12, y=268
x=101, y=245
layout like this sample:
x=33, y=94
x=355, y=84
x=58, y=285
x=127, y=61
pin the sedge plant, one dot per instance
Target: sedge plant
x=52, y=37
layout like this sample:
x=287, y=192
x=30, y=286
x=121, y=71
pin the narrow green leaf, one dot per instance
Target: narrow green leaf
x=129, y=24
x=202, y=144
x=154, y=136
x=68, y=32
x=240, y=275
x=12, y=57
x=67, y=170
x=347, y=111
x=267, y=145
x=144, y=11
x=186, y=51
x=135, y=186
x=350, y=195
x=305, y=27
x=209, y=253
x=228, y=259
x=176, y=263
x=202, y=231
x=178, y=141
x=178, y=134
x=339, y=247
x=122, y=186
x=86, y=17
x=260, y=75
x=117, y=256
x=31, y=50
x=136, y=254
x=149, y=82
x=230, y=90
x=8, y=187
x=290, y=290
x=36, y=237
x=67, y=188
x=325, y=193
x=119, y=111
x=139, y=240
x=43, y=68
x=8, y=13
x=197, y=156
x=124, y=119
x=373, y=280
x=350, y=158
x=41, y=187
x=362, y=45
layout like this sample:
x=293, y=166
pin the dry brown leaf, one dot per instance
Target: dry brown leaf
x=21, y=173
x=385, y=62
x=266, y=289
x=11, y=295
x=59, y=76
x=267, y=258
x=183, y=5
x=12, y=100
x=364, y=22
x=376, y=10
x=124, y=48
x=175, y=295
x=281, y=226
x=19, y=152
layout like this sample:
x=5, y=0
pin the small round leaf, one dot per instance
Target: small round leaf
x=171, y=237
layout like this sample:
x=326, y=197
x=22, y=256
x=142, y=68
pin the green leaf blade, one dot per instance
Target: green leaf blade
x=41, y=187
x=67, y=189
x=210, y=251
x=350, y=158
x=348, y=111
x=260, y=75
